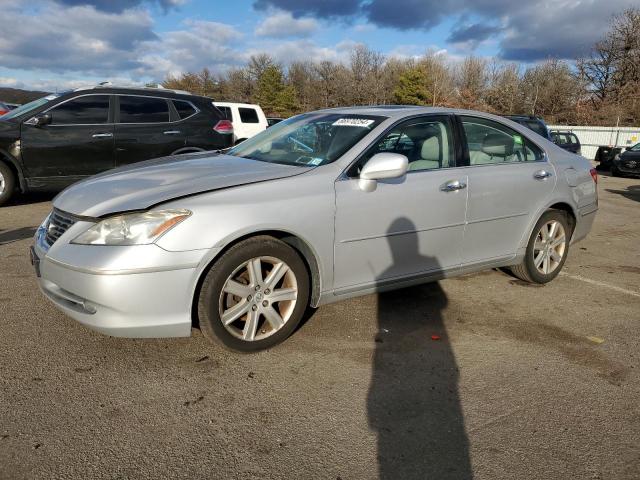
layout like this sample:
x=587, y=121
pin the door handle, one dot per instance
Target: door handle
x=102, y=135
x=453, y=186
x=542, y=175
x=172, y=132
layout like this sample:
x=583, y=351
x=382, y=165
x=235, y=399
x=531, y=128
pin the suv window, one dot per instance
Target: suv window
x=426, y=142
x=536, y=126
x=185, y=109
x=143, y=110
x=491, y=142
x=573, y=139
x=226, y=112
x=248, y=115
x=85, y=110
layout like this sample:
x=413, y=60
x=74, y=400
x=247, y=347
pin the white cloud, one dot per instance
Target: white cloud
x=283, y=25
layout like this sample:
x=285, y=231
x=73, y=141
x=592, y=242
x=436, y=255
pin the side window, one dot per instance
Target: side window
x=491, y=142
x=574, y=139
x=86, y=110
x=143, y=110
x=185, y=109
x=426, y=142
x=248, y=115
x=226, y=111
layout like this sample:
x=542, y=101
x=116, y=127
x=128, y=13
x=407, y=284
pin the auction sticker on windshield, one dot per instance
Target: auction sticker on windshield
x=353, y=122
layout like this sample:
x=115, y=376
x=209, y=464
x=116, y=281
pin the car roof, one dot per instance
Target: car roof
x=142, y=91
x=401, y=111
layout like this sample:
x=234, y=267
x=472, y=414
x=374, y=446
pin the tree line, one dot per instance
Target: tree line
x=602, y=87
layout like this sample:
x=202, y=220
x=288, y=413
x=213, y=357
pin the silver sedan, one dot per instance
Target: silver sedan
x=321, y=207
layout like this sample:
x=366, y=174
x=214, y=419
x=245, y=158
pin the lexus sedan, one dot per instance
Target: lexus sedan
x=318, y=208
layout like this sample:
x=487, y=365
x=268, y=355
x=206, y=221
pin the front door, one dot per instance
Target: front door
x=144, y=130
x=408, y=226
x=77, y=143
x=510, y=180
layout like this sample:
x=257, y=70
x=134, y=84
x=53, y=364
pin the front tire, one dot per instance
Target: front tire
x=255, y=295
x=615, y=172
x=547, y=249
x=7, y=183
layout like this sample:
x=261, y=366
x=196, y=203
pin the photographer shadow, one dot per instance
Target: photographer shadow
x=413, y=402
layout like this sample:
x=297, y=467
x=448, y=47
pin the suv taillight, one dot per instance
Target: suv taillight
x=224, y=126
x=594, y=175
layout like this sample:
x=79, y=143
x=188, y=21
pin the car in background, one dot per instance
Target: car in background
x=248, y=119
x=59, y=139
x=532, y=123
x=319, y=208
x=605, y=155
x=271, y=121
x=4, y=108
x=567, y=140
x=627, y=162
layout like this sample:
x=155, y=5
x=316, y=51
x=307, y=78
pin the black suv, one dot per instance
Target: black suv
x=532, y=123
x=59, y=139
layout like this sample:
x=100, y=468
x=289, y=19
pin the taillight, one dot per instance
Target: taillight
x=224, y=126
x=594, y=175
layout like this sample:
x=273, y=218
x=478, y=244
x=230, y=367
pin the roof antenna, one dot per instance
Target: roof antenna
x=105, y=84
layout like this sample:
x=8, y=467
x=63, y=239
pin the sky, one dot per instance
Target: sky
x=55, y=45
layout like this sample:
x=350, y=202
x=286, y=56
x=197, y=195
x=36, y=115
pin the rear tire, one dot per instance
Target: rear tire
x=255, y=295
x=615, y=172
x=7, y=183
x=547, y=249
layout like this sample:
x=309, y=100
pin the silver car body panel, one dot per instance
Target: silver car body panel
x=344, y=233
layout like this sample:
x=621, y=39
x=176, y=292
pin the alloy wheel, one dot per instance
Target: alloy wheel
x=2, y=183
x=549, y=247
x=258, y=298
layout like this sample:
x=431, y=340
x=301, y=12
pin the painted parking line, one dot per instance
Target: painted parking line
x=601, y=284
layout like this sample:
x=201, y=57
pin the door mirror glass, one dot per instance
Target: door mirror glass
x=382, y=166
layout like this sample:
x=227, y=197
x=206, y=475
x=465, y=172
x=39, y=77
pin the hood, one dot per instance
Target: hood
x=142, y=185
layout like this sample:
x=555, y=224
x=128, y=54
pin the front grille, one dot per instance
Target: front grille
x=59, y=222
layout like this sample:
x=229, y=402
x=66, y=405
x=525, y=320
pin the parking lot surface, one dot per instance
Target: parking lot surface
x=482, y=376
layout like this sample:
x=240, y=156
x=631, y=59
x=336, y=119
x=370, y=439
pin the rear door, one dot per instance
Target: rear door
x=144, y=129
x=78, y=142
x=510, y=180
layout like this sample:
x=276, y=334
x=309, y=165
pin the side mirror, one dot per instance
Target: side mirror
x=40, y=120
x=380, y=167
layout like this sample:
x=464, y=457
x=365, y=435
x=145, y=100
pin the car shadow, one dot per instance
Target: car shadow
x=10, y=236
x=632, y=192
x=413, y=402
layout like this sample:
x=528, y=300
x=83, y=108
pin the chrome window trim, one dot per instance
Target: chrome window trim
x=31, y=121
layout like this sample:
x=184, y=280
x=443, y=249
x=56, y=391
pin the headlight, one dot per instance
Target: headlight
x=617, y=157
x=132, y=229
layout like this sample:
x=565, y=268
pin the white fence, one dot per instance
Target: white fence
x=592, y=137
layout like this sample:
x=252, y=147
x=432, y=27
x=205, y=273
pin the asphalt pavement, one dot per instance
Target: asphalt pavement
x=482, y=376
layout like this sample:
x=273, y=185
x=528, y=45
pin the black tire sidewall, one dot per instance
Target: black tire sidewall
x=533, y=272
x=221, y=270
x=10, y=183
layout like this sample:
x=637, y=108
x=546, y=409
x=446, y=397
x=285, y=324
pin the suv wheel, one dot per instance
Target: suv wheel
x=255, y=295
x=7, y=183
x=547, y=249
x=615, y=172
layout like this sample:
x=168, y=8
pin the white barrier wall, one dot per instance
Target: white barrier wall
x=592, y=137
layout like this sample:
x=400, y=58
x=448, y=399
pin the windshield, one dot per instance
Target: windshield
x=311, y=139
x=635, y=148
x=27, y=107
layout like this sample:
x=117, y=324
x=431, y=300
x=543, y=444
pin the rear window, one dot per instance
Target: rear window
x=185, y=109
x=248, y=115
x=573, y=139
x=143, y=110
x=536, y=127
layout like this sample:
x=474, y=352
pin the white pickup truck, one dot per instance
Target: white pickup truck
x=248, y=120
